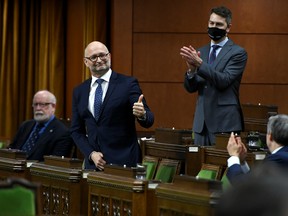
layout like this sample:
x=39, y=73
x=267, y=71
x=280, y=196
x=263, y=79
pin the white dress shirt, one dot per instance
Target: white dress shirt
x=94, y=84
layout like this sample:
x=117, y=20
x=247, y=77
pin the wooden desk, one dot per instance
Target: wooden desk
x=63, y=188
x=116, y=195
x=171, y=135
x=193, y=160
x=13, y=167
x=214, y=155
x=219, y=157
x=188, y=196
x=13, y=163
x=256, y=116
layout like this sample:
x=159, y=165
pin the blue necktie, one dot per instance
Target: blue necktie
x=213, y=54
x=98, y=99
x=29, y=145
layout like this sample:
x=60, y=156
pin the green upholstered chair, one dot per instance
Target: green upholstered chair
x=4, y=142
x=207, y=174
x=167, y=169
x=151, y=164
x=18, y=197
x=225, y=181
x=210, y=172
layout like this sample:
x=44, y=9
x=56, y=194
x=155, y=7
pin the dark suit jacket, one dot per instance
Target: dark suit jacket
x=55, y=140
x=280, y=158
x=218, y=90
x=114, y=134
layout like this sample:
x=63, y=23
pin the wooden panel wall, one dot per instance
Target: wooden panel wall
x=147, y=36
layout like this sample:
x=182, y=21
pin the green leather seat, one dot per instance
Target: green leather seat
x=151, y=164
x=167, y=169
x=150, y=169
x=225, y=182
x=165, y=173
x=210, y=171
x=17, y=199
x=207, y=174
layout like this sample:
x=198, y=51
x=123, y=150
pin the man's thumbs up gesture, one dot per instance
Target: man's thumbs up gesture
x=138, y=109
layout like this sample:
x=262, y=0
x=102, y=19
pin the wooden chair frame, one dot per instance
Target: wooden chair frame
x=151, y=159
x=169, y=162
x=213, y=167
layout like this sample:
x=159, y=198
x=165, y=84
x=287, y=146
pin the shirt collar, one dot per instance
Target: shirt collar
x=276, y=150
x=221, y=44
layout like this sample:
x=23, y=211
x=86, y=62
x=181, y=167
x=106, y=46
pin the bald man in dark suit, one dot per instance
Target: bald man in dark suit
x=106, y=133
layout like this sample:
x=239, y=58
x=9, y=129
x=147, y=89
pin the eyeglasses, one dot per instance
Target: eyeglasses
x=94, y=58
x=41, y=105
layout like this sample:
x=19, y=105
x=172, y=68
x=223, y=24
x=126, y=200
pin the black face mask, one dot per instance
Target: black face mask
x=216, y=33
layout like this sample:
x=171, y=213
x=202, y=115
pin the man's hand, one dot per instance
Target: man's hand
x=97, y=158
x=138, y=108
x=243, y=152
x=191, y=56
x=234, y=146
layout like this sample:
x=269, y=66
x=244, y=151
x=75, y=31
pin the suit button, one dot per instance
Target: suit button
x=205, y=86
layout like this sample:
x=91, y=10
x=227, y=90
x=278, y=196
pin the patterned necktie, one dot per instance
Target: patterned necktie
x=213, y=54
x=28, y=146
x=98, y=99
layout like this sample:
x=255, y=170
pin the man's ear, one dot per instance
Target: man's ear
x=269, y=137
x=85, y=61
x=228, y=28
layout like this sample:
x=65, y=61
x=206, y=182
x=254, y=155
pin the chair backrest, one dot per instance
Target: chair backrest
x=66, y=121
x=4, y=142
x=19, y=197
x=225, y=181
x=151, y=164
x=210, y=171
x=167, y=169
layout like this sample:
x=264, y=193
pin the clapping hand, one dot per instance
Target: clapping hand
x=236, y=147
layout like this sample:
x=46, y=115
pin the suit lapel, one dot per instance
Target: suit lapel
x=48, y=132
x=225, y=49
x=205, y=53
x=87, y=87
x=25, y=134
x=85, y=96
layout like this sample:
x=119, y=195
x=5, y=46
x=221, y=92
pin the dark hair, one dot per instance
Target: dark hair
x=223, y=12
x=278, y=128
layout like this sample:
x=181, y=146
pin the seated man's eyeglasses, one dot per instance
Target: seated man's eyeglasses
x=94, y=58
x=41, y=105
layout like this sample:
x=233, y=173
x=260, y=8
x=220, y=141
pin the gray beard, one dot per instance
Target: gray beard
x=41, y=118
